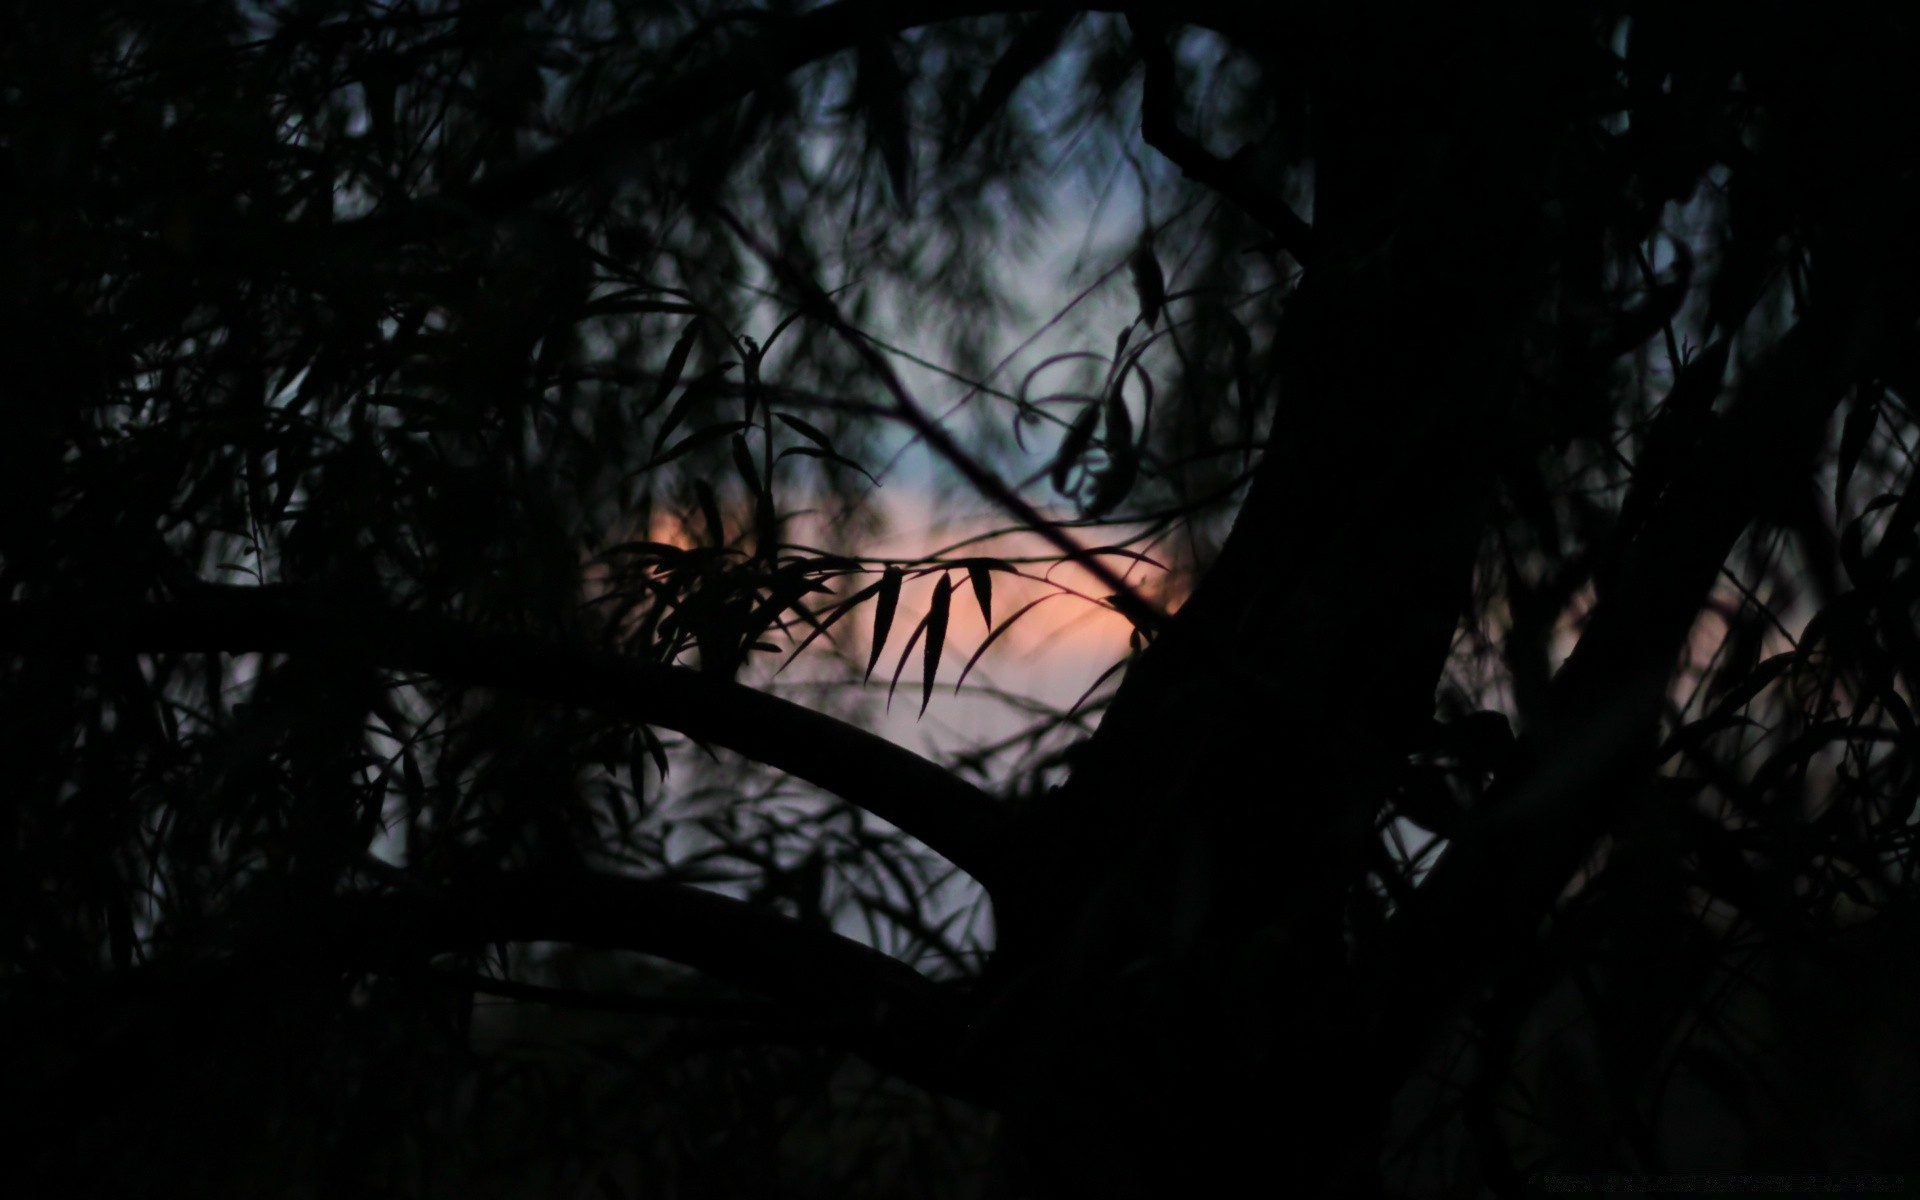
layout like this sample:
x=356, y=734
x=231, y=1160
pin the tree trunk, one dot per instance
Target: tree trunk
x=1189, y=965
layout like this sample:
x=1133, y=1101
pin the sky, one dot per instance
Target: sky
x=1063, y=645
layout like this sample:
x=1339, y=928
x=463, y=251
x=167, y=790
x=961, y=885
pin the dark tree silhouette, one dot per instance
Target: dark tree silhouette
x=416, y=419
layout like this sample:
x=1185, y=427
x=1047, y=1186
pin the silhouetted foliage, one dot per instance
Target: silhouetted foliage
x=428, y=430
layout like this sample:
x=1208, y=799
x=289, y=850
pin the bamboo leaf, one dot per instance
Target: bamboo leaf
x=676, y=363
x=820, y=627
x=710, y=509
x=637, y=768
x=1123, y=465
x=712, y=433
x=1757, y=679
x=1116, y=484
x=888, y=603
x=611, y=306
x=1726, y=715
x=901, y=666
x=806, y=430
x=743, y=461
x=1149, y=283
x=1119, y=418
x=410, y=771
x=994, y=564
x=981, y=576
x=766, y=525
x=679, y=411
x=829, y=457
x=1135, y=555
x=936, y=636
x=1074, y=445
x=995, y=636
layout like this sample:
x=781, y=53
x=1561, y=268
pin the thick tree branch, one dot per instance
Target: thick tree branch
x=854, y=995
x=951, y=816
x=1496, y=883
x=815, y=986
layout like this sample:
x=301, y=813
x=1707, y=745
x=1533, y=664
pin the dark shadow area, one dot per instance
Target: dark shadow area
x=430, y=429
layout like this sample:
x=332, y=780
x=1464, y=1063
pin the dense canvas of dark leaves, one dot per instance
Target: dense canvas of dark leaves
x=425, y=426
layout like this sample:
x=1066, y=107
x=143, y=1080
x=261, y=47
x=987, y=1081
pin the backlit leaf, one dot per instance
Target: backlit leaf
x=743, y=461
x=901, y=666
x=1149, y=283
x=410, y=771
x=712, y=433
x=637, y=769
x=1115, y=485
x=680, y=409
x=829, y=457
x=888, y=603
x=1135, y=555
x=995, y=636
x=981, y=577
x=936, y=636
x=710, y=509
x=670, y=374
x=820, y=627
x=1074, y=445
x=805, y=430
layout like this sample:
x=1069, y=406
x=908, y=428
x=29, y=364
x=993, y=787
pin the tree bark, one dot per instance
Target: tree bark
x=1197, y=936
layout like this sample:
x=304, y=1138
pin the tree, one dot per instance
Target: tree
x=409, y=415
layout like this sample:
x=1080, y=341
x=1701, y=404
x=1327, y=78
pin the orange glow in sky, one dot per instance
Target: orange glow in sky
x=1052, y=653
